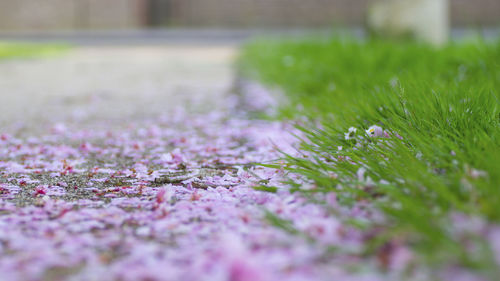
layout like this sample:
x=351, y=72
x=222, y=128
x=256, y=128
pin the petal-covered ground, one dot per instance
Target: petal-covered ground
x=170, y=198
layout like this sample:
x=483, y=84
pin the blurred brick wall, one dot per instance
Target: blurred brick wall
x=267, y=12
x=71, y=14
x=309, y=12
x=117, y=14
x=26, y=14
x=475, y=12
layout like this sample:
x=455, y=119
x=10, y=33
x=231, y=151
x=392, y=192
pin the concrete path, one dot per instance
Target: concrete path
x=111, y=178
x=112, y=82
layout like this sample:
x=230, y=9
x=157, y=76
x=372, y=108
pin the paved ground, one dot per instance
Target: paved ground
x=171, y=36
x=200, y=36
x=112, y=82
x=106, y=174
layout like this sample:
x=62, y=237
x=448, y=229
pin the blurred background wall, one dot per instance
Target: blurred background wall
x=72, y=14
x=22, y=15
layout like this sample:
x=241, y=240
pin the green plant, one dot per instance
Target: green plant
x=434, y=145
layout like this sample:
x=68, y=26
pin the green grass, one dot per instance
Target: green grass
x=9, y=50
x=442, y=102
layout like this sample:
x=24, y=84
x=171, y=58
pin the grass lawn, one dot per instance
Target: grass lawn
x=411, y=128
x=28, y=50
